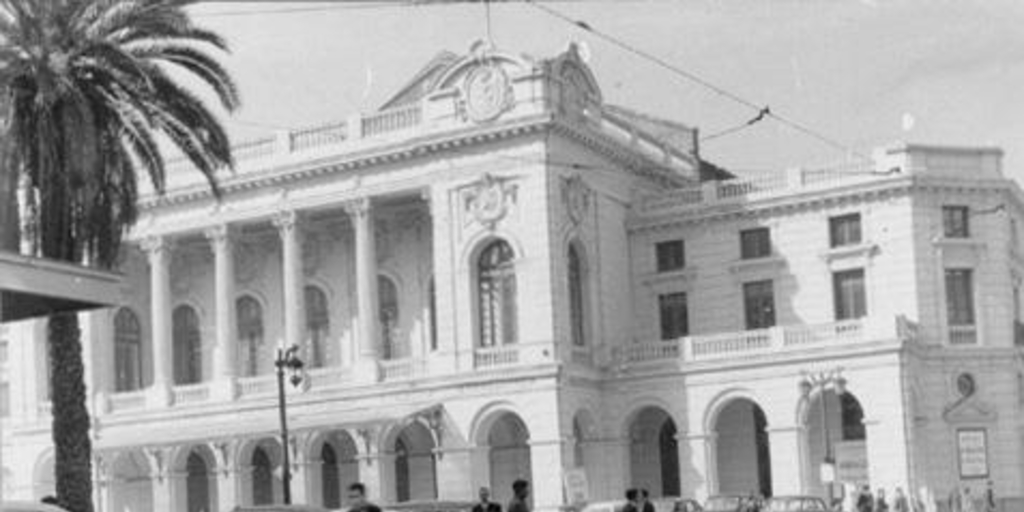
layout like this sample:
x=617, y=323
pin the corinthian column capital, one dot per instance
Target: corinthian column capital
x=358, y=207
x=218, y=234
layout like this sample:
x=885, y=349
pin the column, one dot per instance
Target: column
x=228, y=478
x=224, y=307
x=158, y=250
x=455, y=473
x=546, y=477
x=372, y=466
x=366, y=287
x=291, y=249
x=698, y=452
x=160, y=478
x=786, y=448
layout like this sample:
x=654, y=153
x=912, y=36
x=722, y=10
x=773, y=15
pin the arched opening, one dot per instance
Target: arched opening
x=836, y=434
x=415, y=467
x=742, y=453
x=496, y=295
x=197, y=484
x=330, y=478
x=387, y=298
x=509, y=454
x=577, y=444
x=318, y=328
x=188, y=346
x=262, y=477
x=250, y=336
x=130, y=485
x=654, y=453
x=43, y=478
x=577, y=297
x=127, y=351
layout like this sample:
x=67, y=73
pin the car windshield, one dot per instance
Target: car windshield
x=722, y=502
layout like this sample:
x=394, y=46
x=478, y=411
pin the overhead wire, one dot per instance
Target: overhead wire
x=721, y=91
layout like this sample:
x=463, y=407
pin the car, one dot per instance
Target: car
x=725, y=503
x=670, y=504
x=29, y=506
x=604, y=506
x=795, y=504
x=430, y=506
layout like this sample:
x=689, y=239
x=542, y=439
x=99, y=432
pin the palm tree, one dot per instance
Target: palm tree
x=90, y=87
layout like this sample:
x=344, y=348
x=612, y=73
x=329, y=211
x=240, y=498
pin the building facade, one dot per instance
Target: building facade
x=499, y=276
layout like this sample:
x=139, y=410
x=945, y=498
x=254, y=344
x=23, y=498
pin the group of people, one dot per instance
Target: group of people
x=866, y=502
x=960, y=500
x=638, y=500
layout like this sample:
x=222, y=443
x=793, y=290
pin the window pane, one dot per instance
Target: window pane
x=671, y=255
x=674, y=316
x=250, y=334
x=432, y=304
x=759, y=304
x=959, y=297
x=188, y=363
x=955, y=221
x=845, y=230
x=496, y=295
x=127, y=351
x=318, y=326
x=848, y=290
x=577, y=315
x=387, y=298
x=755, y=243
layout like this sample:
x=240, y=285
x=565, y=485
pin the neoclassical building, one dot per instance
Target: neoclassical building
x=499, y=275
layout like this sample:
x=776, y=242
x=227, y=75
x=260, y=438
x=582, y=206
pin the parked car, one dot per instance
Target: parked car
x=605, y=506
x=277, y=508
x=676, y=505
x=725, y=503
x=795, y=504
x=430, y=506
x=29, y=506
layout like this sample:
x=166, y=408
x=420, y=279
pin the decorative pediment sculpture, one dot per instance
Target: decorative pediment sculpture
x=486, y=92
x=489, y=200
x=970, y=410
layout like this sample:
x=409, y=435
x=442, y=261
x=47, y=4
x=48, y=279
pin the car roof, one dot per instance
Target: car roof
x=29, y=506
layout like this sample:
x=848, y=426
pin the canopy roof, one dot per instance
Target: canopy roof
x=33, y=287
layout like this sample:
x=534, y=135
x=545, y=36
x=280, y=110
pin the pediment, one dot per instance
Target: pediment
x=970, y=411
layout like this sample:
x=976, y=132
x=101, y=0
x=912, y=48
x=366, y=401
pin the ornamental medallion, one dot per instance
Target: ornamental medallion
x=488, y=93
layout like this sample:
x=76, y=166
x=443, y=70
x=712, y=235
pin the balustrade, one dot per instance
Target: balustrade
x=127, y=401
x=191, y=393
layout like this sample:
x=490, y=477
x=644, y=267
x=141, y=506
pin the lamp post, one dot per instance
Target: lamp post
x=821, y=381
x=287, y=360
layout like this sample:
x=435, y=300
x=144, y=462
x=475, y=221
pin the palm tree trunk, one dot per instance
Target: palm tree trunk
x=10, y=221
x=71, y=422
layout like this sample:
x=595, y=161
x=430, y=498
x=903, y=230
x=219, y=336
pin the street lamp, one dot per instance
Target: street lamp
x=287, y=360
x=821, y=381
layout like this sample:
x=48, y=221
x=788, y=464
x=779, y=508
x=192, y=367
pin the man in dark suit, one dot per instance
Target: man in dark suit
x=486, y=505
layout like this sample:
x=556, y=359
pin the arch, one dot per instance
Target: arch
x=653, y=452
x=496, y=292
x=477, y=243
x=388, y=313
x=198, y=495
x=250, y=332
x=187, y=345
x=829, y=419
x=742, y=451
x=318, y=326
x=43, y=478
x=481, y=423
x=330, y=476
x=639, y=405
x=508, y=454
x=415, y=466
x=131, y=487
x=262, y=477
x=723, y=399
x=257, y=487
x=127, y=351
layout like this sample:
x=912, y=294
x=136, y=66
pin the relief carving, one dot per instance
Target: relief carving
x=490, y=199
x=576, y=196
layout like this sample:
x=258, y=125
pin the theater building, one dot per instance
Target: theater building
x=498, y=275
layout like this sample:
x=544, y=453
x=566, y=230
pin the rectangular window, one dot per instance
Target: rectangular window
x=759, y=304
x=844, y=230
x=755, y=243
x=956, y=222
x=959, y=296
x=848, y=290
x=675, y=321
x=671, y=255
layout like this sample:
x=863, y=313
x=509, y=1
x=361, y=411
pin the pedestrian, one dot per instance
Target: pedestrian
x=520, y=492
x=632, y=497
x=865, y=502
x=357, y=499
x=645, y=501
x=968, y=501
x=990, y=498
x=485, y=504
x=880, y=504
x=955, y=501
x=899, y=501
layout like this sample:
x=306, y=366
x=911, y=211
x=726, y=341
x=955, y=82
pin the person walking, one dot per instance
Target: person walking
x=865, y=502
x=990, y=498
x=968, y=501
x=645, y=501
x=357, y=499
x=485, y=504
x=632, y=499
x=880, y=504
x=520, y=492
x=899, y=501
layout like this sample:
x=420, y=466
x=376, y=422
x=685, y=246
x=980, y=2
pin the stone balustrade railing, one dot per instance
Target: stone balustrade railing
x=401, y=369
x=191, y=393
x=510, y=355
x=127, y=401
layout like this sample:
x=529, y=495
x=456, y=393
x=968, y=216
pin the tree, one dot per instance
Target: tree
x=90, y=89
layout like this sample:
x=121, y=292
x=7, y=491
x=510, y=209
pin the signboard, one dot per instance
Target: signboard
x=827, y=472
x=576, y=488
x=852, y=463
x=972, y=451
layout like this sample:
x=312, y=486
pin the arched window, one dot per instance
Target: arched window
x=318, y=326
x=262, y=478
x=197, y=484
x=577, y=306
x=387, y=296
x=127, y=351
x=496, y=291
x=432, y=311
x=250, y=334
x=188, y=346
x=330, y=477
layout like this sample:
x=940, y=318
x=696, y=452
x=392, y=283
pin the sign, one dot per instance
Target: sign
x=827, y=472
x=972, y=449
x=576, y=488
x=852, y=463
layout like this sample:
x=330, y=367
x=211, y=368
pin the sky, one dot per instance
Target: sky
x=863, y=73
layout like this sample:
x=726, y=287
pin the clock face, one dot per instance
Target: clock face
x=487, y=93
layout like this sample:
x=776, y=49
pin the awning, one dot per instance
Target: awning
x=34, y=287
